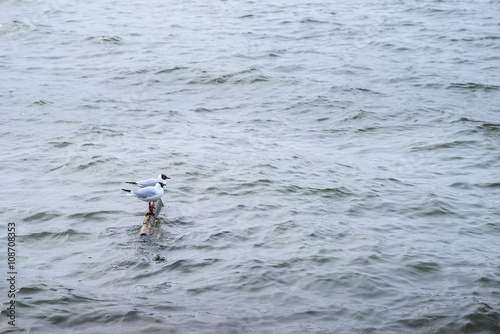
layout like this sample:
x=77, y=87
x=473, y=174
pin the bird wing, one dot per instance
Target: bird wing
x=145, y=192
x=147, y=183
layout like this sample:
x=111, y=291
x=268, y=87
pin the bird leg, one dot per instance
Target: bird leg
x=152, y=206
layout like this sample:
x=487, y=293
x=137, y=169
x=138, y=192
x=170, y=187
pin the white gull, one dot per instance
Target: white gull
x=148, y=194
x=151, y=182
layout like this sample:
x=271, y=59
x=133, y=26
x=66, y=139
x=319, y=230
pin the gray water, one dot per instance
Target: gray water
x=334, y=165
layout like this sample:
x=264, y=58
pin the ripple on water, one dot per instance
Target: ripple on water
x=43, y=216
x=473, y=317
x=47, y=240
x=113, y=40
x=87, y=312
x=93, y=215
x=474, y=86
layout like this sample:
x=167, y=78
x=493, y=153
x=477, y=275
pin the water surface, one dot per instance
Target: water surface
x=334, y=166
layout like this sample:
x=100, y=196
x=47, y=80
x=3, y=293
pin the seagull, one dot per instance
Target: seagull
x=148, y=194
x=151, y=182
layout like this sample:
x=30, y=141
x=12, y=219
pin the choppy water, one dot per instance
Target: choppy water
x=334, y=165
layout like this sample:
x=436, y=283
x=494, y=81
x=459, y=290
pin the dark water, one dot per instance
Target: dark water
x=334, y=165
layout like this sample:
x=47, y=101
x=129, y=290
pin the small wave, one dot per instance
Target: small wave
x=476, y=317
x=462, y=185
x=354, y=90
x=486, y=127
x=94, y=216
x=357, y=117
x=16, y=27
x=332, y=193
x=43, y=216
x=483, y=318
x=433, y=206
x=69, y=234
x=60, y=144
x=308, y=20
x=473, y=86
x=491, y=185
x=185, y=266
x=96, y=161
x=490, y=127
x=154, y=289
x=424, y=267
x=448, y=145
x=106, y=39
x=242, y=77
x=42, y=103
x=170, y=70
x=327, y=192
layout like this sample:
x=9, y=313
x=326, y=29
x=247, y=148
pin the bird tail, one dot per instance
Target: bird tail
x=131, y=182
x=127, y=190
